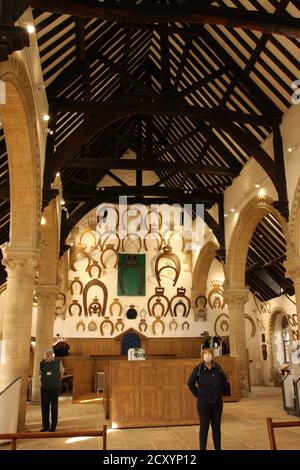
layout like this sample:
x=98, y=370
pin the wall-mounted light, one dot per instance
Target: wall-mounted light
x=30, y=28
x=257, y=185
x=62, y=202
x=50, y=131
x=58, y=174
x=225, y=215
x=232, y=209
x=43, y=220
x=294, y=147
x=46, y=117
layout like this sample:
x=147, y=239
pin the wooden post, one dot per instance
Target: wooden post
x=104, y=437
x=14, y=444
x=271, y=434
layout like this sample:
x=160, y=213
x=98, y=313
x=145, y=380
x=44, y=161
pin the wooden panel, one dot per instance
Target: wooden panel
x=188, y=347
x=83, y=377
x=157, y=392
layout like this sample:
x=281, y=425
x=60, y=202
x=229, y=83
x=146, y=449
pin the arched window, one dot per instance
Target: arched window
x=285, y=338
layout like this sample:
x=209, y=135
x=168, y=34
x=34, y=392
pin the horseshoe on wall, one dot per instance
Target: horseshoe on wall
x=204, y=301
x=180, y=295
x=105, y=236
x=79, y=250
x=76, y=280
x=173, y=322
x=94, y=282
x=159, y=240
x=148, y=226
x=91, y=232
x=169, y=255
x=143, y=326
x=253, y=331
x=160, y=304
x=94, y=265
x=75, y=304
x=223, y=322
x=109, y=247
x=127, y=238
x=95, y=307
x=183, y=242
x=159, y=294
x=180, y=303
x=125, y=213
x=118, y=303
x=120, y=324
x=155, y=323
x=80, y=324
x=186, y=323
x=92, y=326
x=107, y=322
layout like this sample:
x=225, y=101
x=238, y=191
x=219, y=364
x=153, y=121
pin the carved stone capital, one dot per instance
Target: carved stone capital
x=236, y=298
x=20, y=263
x=292, y=266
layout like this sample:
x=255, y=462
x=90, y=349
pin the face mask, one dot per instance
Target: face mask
x=207, y=358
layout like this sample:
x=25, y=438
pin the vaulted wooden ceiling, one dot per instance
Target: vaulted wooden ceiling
x=193, y=88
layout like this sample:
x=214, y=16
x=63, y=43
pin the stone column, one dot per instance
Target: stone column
x=292, y=266
x=21, y=268
x=47, y=296
x=236, y=300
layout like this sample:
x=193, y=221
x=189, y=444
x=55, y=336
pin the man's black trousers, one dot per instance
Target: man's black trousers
x=210, y=413
x=49, y=396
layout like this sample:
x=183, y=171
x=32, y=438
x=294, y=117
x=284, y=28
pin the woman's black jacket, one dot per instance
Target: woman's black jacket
x=208, y=385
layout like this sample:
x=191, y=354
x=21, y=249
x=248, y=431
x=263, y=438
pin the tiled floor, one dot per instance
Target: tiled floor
x=243, y=427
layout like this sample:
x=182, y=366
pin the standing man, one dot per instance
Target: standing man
x=51, y=371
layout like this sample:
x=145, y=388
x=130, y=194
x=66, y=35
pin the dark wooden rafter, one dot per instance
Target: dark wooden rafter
x=198, y=14
x=149, y=165
x=282, y=204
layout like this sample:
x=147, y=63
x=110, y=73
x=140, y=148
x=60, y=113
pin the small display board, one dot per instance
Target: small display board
x=136, y=354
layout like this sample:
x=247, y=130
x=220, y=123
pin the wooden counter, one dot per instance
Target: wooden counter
x=155, y=392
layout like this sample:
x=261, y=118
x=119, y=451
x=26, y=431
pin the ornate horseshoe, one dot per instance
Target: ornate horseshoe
x=183, y=242
x=118, y=303
x=168, y=267
x=159, y=240
x=143, y=326
x=120, y=324
x=94, y=265
x=75, y=304
x=158, y=303
x=202, y=297
x=91, y=232
x=167, y=254
x=155, y=323
x=76, y=281
x=106, y=237
x=173, y=322
x=213, y=292
x=186, y=323
x=95, y=307
x=224, y=325
x=181, y=295
x=59, y=311
x=180, y=303
x=223, y=322
x=127, y=237
x=253, y=331
x=109, y=248
x=92, y=326
x=79, y=250
x=148, y=226
x=159, y=294
x=111, y=327
x=80, y=324
x=94, y=282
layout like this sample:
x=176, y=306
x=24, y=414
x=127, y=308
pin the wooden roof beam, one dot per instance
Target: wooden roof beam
x=200, y=14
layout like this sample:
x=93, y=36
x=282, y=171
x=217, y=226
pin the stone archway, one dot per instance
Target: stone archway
x=250, y=216
x=206, y=256
x=20, y=255
x=236, y=293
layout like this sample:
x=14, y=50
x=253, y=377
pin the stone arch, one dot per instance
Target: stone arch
x=251, y=214
x=274, y=374
x=294, y=241
x=206, y=256
x=18, y=117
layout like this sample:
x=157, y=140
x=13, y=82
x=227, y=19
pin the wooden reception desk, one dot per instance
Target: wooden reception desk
x=155, y=393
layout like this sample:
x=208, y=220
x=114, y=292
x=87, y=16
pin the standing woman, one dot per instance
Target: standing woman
x=208, y=383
